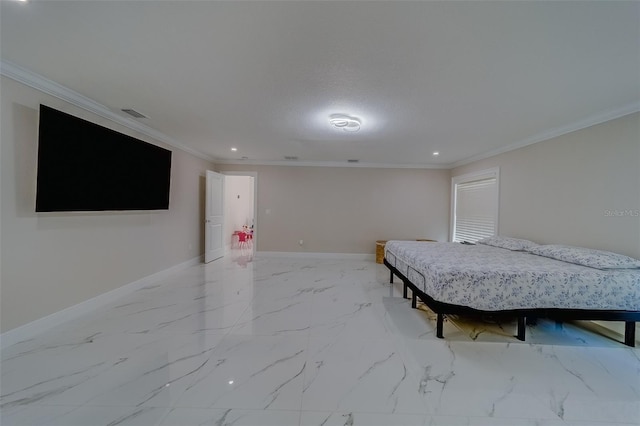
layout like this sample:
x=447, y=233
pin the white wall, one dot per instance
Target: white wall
x=559, y=191
x=345, y=210
x=51, y=261
x=553, y=191
x=238, y=204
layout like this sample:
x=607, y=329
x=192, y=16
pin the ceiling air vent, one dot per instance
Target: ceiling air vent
x=290, y=157
x=134, y=113
x=353, y=161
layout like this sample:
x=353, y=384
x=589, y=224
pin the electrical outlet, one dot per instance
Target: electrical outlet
x=300, y=242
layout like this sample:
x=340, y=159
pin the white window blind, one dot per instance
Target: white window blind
x=475, y=206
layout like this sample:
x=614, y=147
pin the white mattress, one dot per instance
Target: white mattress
x=494, y=279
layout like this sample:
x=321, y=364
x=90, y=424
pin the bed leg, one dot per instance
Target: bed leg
x=390, y=277
x=521, y=328
x=404, y=290
x=439, y=326
x=414, y=300
x=630, y=333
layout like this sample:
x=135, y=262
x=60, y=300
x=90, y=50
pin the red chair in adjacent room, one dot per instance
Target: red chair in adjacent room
x=242, y=240
x=234, y=239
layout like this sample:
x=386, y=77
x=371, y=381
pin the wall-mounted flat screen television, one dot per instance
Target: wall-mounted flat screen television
x=86, y=167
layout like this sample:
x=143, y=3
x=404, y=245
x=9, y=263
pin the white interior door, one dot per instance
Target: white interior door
x=214, y=222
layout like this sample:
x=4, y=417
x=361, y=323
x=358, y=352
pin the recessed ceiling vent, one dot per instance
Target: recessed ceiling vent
x=353, y=161
x=134, y=113
x=290, y=157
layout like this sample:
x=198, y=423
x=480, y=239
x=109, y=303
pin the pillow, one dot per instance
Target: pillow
x=508, y=243
x=587, y=257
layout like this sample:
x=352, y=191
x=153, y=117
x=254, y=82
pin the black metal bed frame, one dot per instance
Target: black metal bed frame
x=523, y=315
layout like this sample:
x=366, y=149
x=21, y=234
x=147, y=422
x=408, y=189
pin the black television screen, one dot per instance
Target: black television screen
x=86, y=167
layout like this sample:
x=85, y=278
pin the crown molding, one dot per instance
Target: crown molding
x=540, y=137
x=296, y=163
x=43, y=84
x=555, y=132
x=38, y=82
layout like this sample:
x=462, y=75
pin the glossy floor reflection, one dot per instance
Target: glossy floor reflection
x=276, y=341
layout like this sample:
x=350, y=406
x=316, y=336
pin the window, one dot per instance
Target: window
x=474, y=206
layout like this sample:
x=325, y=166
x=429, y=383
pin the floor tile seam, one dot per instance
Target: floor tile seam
x=582, y=422
x=95, y=405
x=48, y=335
x=304, y=373
x=228, y=332
x=294, y=334
x=476, y=417
x=109, y=359
x=232, y=409
x=318, y=330
x=597, y=398
x=227, y=407
x=182, y=333
x=277, y=302
x=214, y=349
x=214, y=406
x=547, y=404
x=143, y=405
x=551, y=415
x=411, y=376
x=301, y=410
x=407, y=413
x=181, y=394
x=399, y=412
x=317, y=300
x=356, y=413
x=548, y=415
x=166, y=414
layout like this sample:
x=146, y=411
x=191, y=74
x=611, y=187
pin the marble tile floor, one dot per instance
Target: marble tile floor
x=280, y=341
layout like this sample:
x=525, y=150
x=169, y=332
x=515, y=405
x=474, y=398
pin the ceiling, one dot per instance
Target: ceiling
x=466, y=79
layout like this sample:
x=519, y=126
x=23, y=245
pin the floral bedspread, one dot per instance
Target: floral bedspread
x=493, y=279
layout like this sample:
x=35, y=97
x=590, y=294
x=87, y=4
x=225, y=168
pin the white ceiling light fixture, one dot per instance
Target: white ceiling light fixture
x=345, y=122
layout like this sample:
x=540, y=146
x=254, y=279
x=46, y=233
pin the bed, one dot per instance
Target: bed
x=516, y=278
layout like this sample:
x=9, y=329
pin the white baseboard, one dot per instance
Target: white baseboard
x=310, y=255
x=614, y=329
x=29, y=330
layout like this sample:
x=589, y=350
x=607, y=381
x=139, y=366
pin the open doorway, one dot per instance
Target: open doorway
x=240, y=214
